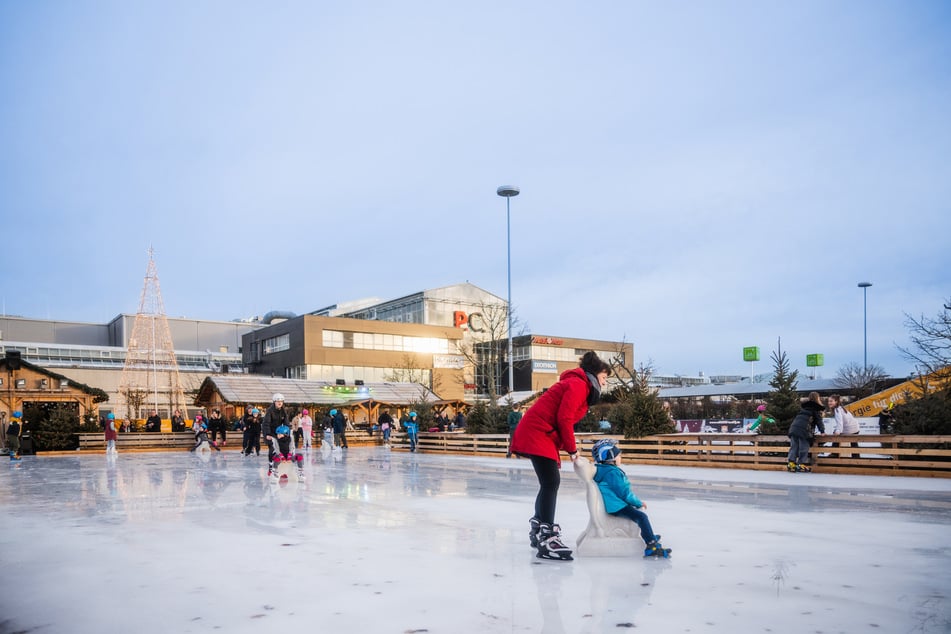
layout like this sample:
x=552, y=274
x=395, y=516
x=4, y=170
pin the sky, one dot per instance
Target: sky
x=695, y=177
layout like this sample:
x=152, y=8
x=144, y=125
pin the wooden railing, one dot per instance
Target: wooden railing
x=900, y=455
x=146, y=441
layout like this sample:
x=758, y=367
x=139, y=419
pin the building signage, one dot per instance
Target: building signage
x=751, y=353
x=548, y=341
x=449, y=361
x=814, y=360
x=545, y=367
x=474, y=322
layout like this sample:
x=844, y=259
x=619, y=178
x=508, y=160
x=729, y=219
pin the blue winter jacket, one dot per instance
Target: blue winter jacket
x=615, y=488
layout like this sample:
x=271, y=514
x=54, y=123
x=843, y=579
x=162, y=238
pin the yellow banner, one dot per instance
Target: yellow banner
x=911, y=389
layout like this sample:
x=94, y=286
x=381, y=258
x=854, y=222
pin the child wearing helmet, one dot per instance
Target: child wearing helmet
x=200, y=429
x=618, y=497
x=412, y=430
x=252, y=431
x=340, y=428
x=111, y=433
x=285, y=451
x=760, y=419
x=13, y=434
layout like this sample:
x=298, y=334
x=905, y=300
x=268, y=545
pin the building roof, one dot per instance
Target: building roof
x=249, y=388
x=746, y=389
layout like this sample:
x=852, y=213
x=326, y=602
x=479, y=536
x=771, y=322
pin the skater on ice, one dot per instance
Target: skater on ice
x=619, y=498
x=801, y=433
x=760, y=419
x=285, y=451
x=307, y=428
x=14, y=431
x=386, y=426
x=547, y=428
x=111, y=433
x=412, y=430
x=200, y=428
x=252, y=432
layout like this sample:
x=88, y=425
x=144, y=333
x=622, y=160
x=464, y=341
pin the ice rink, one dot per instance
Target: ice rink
x=375, y=541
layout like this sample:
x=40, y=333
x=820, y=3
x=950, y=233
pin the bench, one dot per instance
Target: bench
x=606, y=535
x=144, y=440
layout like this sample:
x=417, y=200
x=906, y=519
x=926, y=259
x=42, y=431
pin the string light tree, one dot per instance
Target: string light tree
x=150, y=374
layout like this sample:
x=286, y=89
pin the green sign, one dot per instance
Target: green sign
x=751, y=353
x=814, y=360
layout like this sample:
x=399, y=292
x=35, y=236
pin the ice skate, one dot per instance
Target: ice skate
x=300, y=475
x=791, y=467
x=533, y=526
x=272, y=475
x=656, y=549
x=803, y=468
x=550, y=545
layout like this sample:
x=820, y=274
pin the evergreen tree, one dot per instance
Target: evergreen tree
x=782, y=402
x=638, y=410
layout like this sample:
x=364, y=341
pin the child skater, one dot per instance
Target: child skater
x=111, y=433
x=284, y=451
x=760, y=419
x=619, y=499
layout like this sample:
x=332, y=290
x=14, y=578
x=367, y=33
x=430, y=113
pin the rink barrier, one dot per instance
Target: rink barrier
x=865, y=454
x=174, y=441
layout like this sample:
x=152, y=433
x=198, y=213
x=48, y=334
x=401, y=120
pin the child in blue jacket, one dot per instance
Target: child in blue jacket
x=619, y=499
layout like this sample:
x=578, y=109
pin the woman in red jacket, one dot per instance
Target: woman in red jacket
x=547, y=428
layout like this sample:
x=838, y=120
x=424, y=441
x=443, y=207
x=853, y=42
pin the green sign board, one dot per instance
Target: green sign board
x=751, y=353
x=814, y=360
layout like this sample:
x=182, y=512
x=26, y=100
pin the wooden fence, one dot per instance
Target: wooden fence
x=146, y=441
x=899, y=455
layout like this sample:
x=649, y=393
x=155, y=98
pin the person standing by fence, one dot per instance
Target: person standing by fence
x=845, y=423
x=801, y=433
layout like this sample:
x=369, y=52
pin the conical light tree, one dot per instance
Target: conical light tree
x=150, y=375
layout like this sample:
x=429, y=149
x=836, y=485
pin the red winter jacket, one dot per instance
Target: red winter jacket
x=548, y=425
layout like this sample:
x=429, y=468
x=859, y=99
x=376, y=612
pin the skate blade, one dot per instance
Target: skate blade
x=551, y=557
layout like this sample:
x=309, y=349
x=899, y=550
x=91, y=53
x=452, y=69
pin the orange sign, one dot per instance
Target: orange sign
x=548, y=341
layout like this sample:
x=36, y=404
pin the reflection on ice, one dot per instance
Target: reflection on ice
x=375, y=541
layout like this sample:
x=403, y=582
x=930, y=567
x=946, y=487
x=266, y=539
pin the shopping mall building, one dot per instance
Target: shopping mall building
x=453, y=340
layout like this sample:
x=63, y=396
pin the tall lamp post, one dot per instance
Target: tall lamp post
x=864, y=286
x=507, y=191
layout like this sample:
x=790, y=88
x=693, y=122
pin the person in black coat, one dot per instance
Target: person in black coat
x=153, y=423
x=801, y=433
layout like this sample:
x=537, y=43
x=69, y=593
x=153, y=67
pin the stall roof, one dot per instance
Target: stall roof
x=249, y=388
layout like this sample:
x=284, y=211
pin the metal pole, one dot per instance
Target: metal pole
x=864, y=286
x=508, y=239
x=507, y=191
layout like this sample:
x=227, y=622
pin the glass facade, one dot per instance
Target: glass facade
x=277, y=344
x=351, y=373
x=380, y=341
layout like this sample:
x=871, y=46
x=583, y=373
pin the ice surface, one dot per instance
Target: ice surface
x=395, y=542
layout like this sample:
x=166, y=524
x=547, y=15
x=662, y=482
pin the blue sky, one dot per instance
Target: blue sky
x=695, y=177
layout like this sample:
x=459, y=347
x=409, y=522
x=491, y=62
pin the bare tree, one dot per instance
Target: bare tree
x=134, y=399
x=860, y=380
x=930, y=347
x=408, y=371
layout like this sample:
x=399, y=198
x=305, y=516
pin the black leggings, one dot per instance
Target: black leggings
x=549, y=479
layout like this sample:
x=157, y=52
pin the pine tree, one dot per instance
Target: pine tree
x=638, y=410
x=782, y=402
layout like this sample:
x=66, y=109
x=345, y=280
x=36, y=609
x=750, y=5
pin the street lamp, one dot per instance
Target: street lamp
x=507, y=191
x=864, y=286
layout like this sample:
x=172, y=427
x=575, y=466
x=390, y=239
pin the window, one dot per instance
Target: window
x=277, y=344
